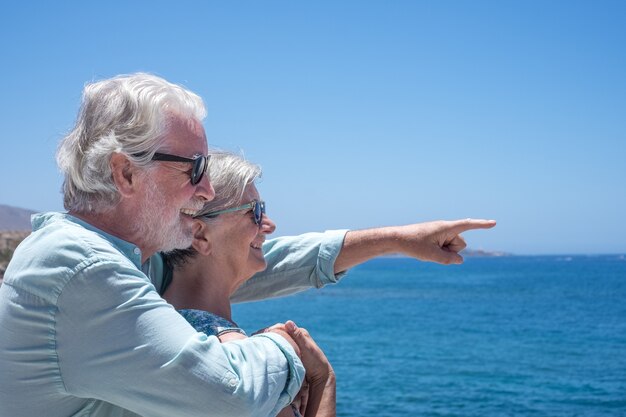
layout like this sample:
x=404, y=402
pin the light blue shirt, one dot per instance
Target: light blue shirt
x=83, y=332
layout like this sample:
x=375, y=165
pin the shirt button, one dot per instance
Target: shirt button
x=137, y=251
x=232, y=383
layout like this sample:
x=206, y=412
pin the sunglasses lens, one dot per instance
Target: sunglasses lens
x=199, y=166
x=259, y=209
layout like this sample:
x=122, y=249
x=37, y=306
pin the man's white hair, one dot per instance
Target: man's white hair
x=127, y=114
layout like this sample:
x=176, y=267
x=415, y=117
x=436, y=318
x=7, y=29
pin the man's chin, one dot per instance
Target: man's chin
x=178, y=241
x=171, y=246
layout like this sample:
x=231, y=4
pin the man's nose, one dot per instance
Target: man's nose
x=204, y=189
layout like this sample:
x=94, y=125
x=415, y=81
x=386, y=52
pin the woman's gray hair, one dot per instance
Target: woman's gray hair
x=230, y=174
x=128, y=114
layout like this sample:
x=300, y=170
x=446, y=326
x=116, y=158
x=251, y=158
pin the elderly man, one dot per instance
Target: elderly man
x=83, y=328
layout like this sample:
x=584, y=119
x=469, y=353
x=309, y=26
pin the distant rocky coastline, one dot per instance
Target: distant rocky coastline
x=8, y=242
x=14, y=227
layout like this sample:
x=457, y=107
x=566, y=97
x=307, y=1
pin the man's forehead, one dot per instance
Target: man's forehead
x=185, y=135
x=178, y=122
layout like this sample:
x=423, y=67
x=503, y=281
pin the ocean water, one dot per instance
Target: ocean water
x=508, y=336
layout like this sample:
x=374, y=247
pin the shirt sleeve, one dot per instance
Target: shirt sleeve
x=294, y=264
x=117, y=340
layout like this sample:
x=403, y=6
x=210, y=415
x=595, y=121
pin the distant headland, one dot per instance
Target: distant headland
x=481, y=253
x=14, y=218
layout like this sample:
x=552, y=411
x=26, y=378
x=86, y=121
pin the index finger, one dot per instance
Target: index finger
x=461, y=226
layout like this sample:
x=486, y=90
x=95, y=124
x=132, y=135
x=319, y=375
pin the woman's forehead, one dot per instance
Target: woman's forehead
x=250, y=193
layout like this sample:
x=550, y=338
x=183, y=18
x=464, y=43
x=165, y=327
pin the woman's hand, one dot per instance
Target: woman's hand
x=280, y=329
x=321, y=399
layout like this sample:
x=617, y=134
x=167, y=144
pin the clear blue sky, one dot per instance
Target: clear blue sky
x=362, y=113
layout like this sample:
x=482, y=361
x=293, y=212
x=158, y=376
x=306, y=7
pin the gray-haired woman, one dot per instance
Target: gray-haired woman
x=226, y=251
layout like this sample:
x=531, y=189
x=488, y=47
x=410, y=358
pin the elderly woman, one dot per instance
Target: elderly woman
x=226, y=251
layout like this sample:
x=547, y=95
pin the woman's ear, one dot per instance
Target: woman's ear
x=201, y=241
x=122, y=172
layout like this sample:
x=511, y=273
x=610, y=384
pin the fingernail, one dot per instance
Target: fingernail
x=291, y=326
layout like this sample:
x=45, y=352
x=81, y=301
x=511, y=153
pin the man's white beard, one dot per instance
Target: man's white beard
x=159, y=223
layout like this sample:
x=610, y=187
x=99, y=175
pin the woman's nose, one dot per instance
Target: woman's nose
x=267, y=225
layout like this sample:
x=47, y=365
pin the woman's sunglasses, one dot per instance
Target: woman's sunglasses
x=258, y=209
x=200, y=163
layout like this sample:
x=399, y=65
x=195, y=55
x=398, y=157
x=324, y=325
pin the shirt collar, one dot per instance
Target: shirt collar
x=130, y=250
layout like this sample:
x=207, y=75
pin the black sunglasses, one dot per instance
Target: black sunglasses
x=199, y=168
x=258, y=208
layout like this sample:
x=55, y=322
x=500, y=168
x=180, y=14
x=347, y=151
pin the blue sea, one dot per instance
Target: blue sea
x=504, y=336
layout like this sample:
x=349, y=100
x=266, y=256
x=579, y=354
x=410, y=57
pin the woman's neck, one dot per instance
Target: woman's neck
x=202, y=285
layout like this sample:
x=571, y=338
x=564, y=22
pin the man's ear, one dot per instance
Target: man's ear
x=123, y=173
x=201, y=237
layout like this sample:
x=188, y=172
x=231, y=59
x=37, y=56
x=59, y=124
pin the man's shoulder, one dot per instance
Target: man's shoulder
x=57, y=250
x=64, y=237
